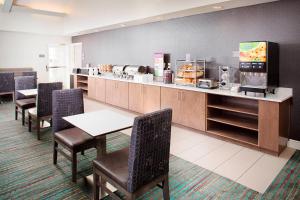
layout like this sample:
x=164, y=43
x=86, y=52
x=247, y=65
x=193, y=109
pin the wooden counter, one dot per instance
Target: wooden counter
x=255, y=122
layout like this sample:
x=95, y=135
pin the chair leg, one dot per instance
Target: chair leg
x=95, y=186
x=82, y=152
x=55, y=145
x=166, y=192
x=43, y=123
x=51, y=122
x=38, y=128
x=23, y=117
x=29, y=123
x=74, y=167
x=130, y=197
x=16, y=113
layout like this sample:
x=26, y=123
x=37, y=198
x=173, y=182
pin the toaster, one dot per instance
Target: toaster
x=207, y=83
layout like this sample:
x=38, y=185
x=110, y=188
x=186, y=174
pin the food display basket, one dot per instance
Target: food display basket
x=189, y=72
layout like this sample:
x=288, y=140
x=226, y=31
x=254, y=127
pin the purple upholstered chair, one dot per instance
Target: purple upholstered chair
x=7, y=84
x=22, y=102
x=31, y=73
x=43, y=110
x=66, y=103
x=145, y=164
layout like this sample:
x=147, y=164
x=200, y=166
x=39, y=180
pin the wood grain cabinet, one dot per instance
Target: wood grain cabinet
x=188, y=107
x=144, y=98
x=193, y=106
x=151, y=98
x=274, y=125
x=117, y=93
x=170, y=98
x=92, y=87
x=100, y=89
x=136, y=97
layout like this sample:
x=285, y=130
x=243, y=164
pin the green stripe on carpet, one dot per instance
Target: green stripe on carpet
x=27, y=172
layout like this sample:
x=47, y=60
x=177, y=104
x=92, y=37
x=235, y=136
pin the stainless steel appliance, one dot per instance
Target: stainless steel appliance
x=225, y=73
x=118, y=70
x=131, y=70
x=259, y=66
x=207, y=83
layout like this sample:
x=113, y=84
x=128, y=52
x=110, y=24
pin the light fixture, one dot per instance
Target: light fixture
x=123, y=25
x=217, y=7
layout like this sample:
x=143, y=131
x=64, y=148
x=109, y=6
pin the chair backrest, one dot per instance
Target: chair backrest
x=31, y=73
x=44, y=98
x=23, y=83
x=65, y=103
x=7, y=82
x=149, y=148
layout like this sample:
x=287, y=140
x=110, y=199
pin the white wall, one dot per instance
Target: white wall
x=23, y=50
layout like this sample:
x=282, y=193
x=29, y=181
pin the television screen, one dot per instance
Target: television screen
x=253, y=52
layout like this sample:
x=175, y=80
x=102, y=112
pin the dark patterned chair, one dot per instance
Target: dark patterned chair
x=31, y=73
x=144, y=165
x=66, y=103
x=43, y=110
x=22, y=102
x=7, y=84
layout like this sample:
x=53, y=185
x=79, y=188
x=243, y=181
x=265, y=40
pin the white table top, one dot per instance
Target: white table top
x=100, y=122
x=29, y=92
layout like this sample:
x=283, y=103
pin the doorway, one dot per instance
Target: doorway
x=62, y=58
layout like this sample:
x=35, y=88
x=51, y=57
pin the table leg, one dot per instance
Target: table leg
x=101, y=146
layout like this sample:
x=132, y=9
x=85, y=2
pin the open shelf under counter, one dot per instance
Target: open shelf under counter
x=83, y=87
x=236, y=119
x=235, y=108
x=236, y=134
x=82, y=81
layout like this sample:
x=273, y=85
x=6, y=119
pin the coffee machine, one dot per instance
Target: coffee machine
x=259, y=67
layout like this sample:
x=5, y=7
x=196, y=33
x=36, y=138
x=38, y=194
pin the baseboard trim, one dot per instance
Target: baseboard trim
x=295, y=144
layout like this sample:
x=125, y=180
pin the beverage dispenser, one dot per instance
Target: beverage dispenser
x=259, y=67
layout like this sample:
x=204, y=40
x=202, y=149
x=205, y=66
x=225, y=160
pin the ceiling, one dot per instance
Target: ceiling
x=47, y=5
x=87, y=16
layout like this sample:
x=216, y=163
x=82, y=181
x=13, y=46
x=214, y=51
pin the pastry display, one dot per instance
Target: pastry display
x=105, y=68
x=188, y=72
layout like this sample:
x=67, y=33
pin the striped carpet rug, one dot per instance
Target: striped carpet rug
x=27, y=172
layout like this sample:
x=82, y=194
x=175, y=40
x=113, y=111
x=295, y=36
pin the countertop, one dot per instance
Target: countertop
x=280, y=95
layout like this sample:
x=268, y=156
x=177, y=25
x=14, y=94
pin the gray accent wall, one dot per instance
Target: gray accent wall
x=213, y=36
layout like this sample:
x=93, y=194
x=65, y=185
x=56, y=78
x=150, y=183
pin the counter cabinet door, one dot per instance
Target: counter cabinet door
x=135, y=97
x=122, y=94
x=193, y=110
x=151, y=98
x=170, y=98
x=92, y=87
x=100, y=89
x=111, y=93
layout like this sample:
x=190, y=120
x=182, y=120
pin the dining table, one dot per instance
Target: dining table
x=28, y=92
x=98, y=124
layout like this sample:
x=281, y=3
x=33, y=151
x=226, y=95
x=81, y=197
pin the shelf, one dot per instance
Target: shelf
x=242, y=122
x=235, y=108
x=82, y=81
x=236, y=135
x=82, y=87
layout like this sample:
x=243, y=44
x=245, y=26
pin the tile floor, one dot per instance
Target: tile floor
x=248, y=167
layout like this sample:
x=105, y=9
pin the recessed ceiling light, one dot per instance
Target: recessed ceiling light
x=123, y=25
x=217, y=7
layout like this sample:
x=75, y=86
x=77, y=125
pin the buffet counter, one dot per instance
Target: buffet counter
x=221, y=113
x=281, y=94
